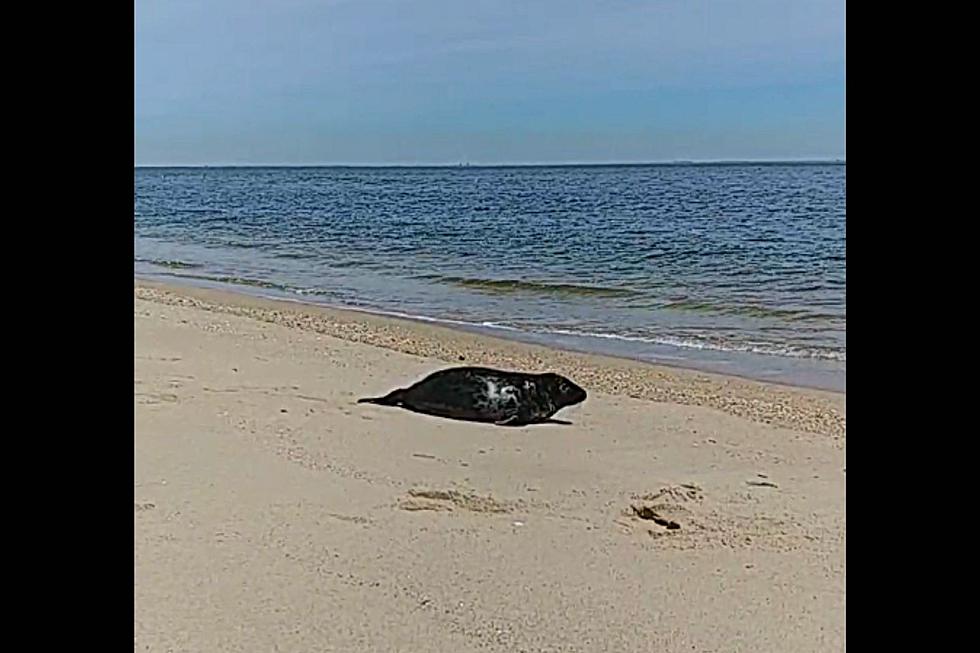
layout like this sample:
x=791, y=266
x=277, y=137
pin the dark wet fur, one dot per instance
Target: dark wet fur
x=481, y=394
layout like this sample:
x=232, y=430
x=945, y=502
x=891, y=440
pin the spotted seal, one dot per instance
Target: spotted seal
x=481, y=394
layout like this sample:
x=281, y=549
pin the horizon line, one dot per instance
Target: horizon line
x=466, y=164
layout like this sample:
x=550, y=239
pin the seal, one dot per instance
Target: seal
x=482, y=394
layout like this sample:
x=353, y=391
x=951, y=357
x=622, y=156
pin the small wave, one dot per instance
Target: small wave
x=239, y=244
x=256, y=283
x=536, y=287
x=252, y=283
x=689, y=343
x=196, y=210
x=295, y=255
x=164, y=263
x=746, y=310
x=787, y=350
x=353, y=263
x=495, y=325
x=241, y=281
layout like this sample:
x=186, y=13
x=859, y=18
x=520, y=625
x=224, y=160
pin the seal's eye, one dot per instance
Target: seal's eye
x=563, y=387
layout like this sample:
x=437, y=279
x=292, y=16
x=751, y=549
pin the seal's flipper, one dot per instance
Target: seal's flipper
x=523, y=417
x=393, y=398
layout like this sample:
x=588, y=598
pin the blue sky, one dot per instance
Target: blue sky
x=426, y=81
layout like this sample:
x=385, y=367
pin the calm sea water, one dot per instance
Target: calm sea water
x=732, y=268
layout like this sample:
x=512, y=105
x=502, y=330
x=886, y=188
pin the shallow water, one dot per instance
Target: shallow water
x=733, y=268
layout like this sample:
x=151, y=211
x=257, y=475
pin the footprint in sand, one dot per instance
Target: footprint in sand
x=449, y=500
x=156, y=398
x=680, y=516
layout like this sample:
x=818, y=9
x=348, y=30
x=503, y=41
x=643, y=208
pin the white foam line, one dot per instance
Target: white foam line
x=766, y=350
x=666, y=341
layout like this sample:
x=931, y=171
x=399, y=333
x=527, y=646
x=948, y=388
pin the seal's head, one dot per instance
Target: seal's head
x=563, y=391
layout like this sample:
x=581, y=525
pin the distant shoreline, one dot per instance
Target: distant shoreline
x=445, y=166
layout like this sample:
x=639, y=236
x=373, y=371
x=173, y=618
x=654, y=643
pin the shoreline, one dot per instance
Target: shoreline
x=782, y=371
x=802, y=408
x=745, y=361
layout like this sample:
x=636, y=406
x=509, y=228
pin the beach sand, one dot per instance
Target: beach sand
x=273, y=513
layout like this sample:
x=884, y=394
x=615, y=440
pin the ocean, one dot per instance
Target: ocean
x=731, y=268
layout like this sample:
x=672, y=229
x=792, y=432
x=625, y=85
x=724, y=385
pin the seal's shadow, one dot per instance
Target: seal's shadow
x=550, y=420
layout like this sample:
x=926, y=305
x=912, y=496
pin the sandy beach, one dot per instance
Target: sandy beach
x=680, y=511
